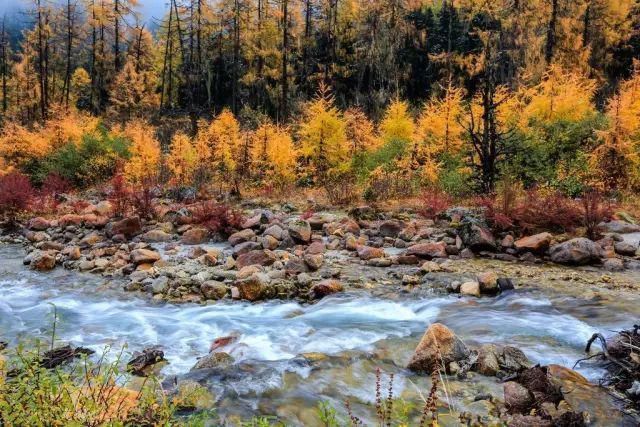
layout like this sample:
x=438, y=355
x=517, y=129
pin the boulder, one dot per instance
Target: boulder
x=315, y=248
x=72, y=253
x=300, y=231
x=195, y=236
x=256, y=257
x=296, y=265
x=618, y=227
x=314, y=261
x=537, y=243
x=156, y=235
x=487, y=362
x=252, y=288
x=477, y=237
x=326, y=287
x=428, y=250
x=69, y=219
x=159, y=285
x=488, y=282
x=127, y=227
x=367, y=252
x=390, y=228
x=438, y=345
x=274, y=231
x=578, y=251
x=517, y=397
x=318, y=220
x=213, y=360
x=43, y=261
x=241, y=237
x=244, y=247
x=269, y=242
x=470, y=289
x=38, y=224
x=213, y=290
x=144, y=256
x=625, y=248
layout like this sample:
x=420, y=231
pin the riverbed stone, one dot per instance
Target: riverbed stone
x=39, y=224
x=578, y=251
x=391, y=228
x=428, y=250
x=470, y=289
x=144, y=256
x=262, y=257
x=253, y=287
x=314, y=261
x=241, y=237
x=488, y=282
x=537, y=243
x=625, y=248
x=217, y=359
x=156, y=235
x=300, y=231
x=195, y=236
x=325, y=288
x=438, y=344
x=517, y=397
x=213, y=290
x=366, y=253
x=128, y=227
x=43, y=261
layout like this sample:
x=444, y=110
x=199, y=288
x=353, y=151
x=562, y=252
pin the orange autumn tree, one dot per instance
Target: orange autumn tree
x=144, y=162
x=274, y=156
x=182, y=159
x=360, y=131
x=219, y=145
x=19, y=146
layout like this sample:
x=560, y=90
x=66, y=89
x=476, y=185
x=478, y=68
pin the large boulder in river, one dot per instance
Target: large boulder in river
x=43, y=261
x=326, y=287
x=428, y=250
x=578, y=251
x=253, y=287
x=537, y=243
x=438, y=345
x=300, y=231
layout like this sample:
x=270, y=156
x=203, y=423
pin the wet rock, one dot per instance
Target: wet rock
x=470, y=289
x=390, y=228
x=428, y=250
x=214, y=360
x=144, y=256
x=366, y=253
x=140, y=363
x=505, y=284
x=512, y=360
x=487, y=362
x=213, y=290
x=43, y=261
x=578, y=251
x=488, y=282
x=431, y=267
x=409, y=279
x=160, y=285
x=253, y=287
x=156, y=235
x=256, y=257
x=39, y=224
x=195, y=236
x=613, y=264
x=438, y=344
x=537, y=243
x=296, y=265
x=314, y=261
x=241, y=237
x=72, y=253
x=380, y=262
x=300, y=231
x=127, y=227
x=244, y=247
x=325, y=288
x=625, y=248
x=517, y=398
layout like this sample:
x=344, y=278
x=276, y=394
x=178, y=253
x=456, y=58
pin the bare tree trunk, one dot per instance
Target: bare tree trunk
x=551, y=32
x=285, y=50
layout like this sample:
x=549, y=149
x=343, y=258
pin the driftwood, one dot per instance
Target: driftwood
x=140, y=362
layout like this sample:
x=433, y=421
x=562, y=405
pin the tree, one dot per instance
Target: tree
x=274, y=155
x=439, y=125
x=144, y=163
x=360, y=132
x=182, y=160
x=397, y=124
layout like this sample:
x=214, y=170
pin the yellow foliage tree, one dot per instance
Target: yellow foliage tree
x=19, y=145
x=221, y=142
x=145, y=153
x=439, y=125
x=397, y=124
x=323, y=136
x=274, y=155
x=360, y=131
x=67, y=125
x=183, y=159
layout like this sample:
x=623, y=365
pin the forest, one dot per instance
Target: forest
x=388, y=97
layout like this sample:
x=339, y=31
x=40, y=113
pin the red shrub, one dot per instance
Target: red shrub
x=119, y=196
x=547, y=212
x=218, y=218
x=307, y=214
x=595, y=209
x=496, y=217
x=434, y=202
x=53, y=186
x=16, y=195
x=143, y=203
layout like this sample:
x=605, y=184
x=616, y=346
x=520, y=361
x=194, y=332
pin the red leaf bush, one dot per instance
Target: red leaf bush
x=119, y=196
x=16, y=195
x=434, y=202
x=218, y=218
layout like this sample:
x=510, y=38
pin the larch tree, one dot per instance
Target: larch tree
x=182, y=160
x=143, y=166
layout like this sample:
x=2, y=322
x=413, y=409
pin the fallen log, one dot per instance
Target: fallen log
x=140, y=362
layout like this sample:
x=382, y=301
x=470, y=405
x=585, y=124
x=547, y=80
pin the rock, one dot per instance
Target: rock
x=613, y=264
x=160, y=285
x=618, y=227
x=467, y=253
x=363, y=213
x=409, y=279
x=38, y=224
x=390, y=228
x=537, y=243
x=477, y=238
x=72, y=252
x=195, y=236
x=314, y=261
x=244, y=247
x=318, y=220
x=144, y=256
x=367, y=252
x=300, y=231
x=438, y=345
x=470, y=289
x=43, y=261
x=296, y=265
x=213, y=360
x=213, y=290
x=326, y=287
x=91, y=239
x=428, y=250
x=380, y=262
x=578, y=251
x=140, y=363
x=488, y=282
x=431, y=267
x=513, y=360
x=505, y=284
x=128, y=227
x=507, y=241
x=487, y=362
x=269, y=242
x=352, y=243
x=274, y=231
x=315, y=248
x=625, y=248
x=241, y=237
x=211, y=257
x=408, y=260
x=253, y=287
x=156, y=235
x=103, y=208
x=517, y=397
x=69, y=219
x=94, y=221
x=256, y=257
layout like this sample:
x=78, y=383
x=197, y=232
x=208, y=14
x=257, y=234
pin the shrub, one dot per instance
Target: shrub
x=52, y=188
x=595, y=209
x=548, y=212
x=434, y=202
x=143, y=203
x=218, y=218
x=16, y=195
x=341, y=188
x=119, y=196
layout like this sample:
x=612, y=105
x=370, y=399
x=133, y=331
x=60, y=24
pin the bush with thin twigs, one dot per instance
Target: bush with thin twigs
x=142, y=200
x=434, y=202
x=218, y=218
x=119, y=196
x=16, y=195
x=595, y=209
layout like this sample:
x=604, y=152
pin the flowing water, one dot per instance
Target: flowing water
x=355, y=333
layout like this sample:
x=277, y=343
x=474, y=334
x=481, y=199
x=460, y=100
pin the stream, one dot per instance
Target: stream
x=351, y=334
